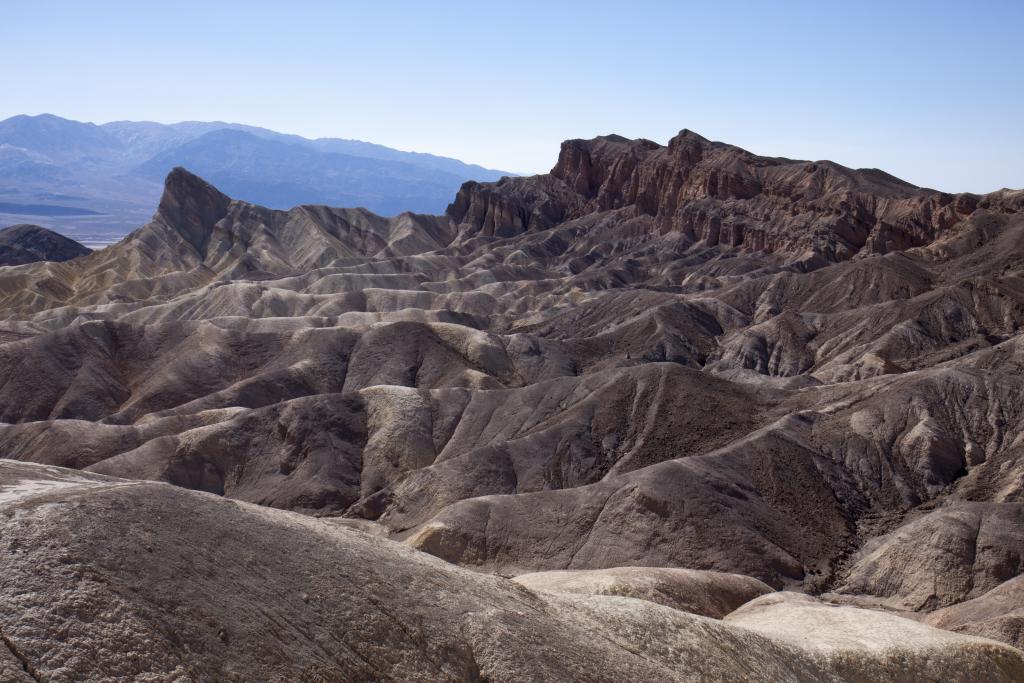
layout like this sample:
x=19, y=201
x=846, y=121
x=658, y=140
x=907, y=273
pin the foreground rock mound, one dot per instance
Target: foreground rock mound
x=840, y=638
x=711, y=594
x=107, y=579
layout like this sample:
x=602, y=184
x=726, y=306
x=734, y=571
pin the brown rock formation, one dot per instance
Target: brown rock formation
x=108, y=579
x=681, y=357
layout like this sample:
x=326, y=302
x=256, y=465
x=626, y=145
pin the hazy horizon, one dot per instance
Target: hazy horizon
x=909, y=88
x=234, y=123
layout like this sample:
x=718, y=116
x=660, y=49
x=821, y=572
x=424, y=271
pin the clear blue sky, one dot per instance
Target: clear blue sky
x=930, y=91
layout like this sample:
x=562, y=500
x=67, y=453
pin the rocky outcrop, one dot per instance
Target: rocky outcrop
x=720, y=194
x=191, y=207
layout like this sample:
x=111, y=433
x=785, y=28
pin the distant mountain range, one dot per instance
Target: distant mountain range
x=98, y=182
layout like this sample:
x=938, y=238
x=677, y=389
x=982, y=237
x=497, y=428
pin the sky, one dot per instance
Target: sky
x=932, y=92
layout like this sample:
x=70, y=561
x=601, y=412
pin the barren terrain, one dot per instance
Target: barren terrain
x=708, y=374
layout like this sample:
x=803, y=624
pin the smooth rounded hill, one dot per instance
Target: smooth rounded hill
x=711, y=594
x=109, y=579
x=21, y=244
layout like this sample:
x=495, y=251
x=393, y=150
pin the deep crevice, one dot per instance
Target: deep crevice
x=26, y=665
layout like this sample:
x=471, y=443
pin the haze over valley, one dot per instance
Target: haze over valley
x=96, y=184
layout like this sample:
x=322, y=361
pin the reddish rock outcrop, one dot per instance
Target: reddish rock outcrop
x=719, y=194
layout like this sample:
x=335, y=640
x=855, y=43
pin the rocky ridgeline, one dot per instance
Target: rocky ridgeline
x=720, y=194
